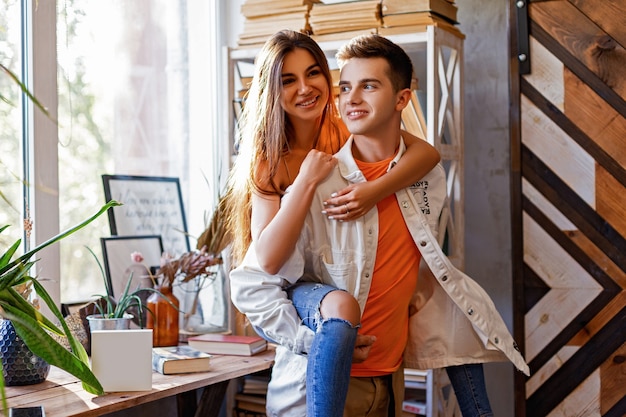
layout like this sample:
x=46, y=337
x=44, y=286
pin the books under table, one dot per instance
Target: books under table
x=228, y=344
x=250, y=403
x=414, y=406
x=255, y=384
x=179, y=360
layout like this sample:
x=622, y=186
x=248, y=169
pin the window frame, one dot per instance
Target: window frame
x=40, y=137
x=40, y=134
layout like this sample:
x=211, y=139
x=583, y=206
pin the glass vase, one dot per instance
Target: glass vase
x=203, y=303
x=164, y=317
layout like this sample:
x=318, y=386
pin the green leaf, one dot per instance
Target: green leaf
x=31, y=325
x=44, y=346
x=58, y=237
x=6, y=258
x=27, y=92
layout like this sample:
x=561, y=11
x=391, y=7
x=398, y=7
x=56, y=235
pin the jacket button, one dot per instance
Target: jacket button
x=496, y=340
x=405, y=204
x=423, y=243
x=470, y=311
x=444, y=278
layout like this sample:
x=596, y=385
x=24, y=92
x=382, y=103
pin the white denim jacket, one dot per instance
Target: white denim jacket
x=452, y=319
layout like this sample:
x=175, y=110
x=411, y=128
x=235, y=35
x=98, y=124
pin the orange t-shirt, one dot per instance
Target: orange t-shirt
x=386, y=313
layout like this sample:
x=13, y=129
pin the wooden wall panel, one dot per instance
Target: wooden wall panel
x=583, y=39
x=569, y=156
x=595, y=117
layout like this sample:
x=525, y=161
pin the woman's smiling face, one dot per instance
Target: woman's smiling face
x=305, y=91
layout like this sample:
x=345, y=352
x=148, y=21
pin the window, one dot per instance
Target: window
x=11, y=202
x=134, y=82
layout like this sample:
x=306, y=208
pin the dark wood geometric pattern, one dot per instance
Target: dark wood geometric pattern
x=569, y=209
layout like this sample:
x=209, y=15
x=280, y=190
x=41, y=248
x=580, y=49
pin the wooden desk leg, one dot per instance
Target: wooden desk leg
x=211, y=400
x=186, y=403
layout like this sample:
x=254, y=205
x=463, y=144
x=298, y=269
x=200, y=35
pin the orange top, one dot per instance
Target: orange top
x=386, y=314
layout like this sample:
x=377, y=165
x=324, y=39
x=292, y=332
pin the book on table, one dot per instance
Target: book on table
x=179, y=360
x=228, y=344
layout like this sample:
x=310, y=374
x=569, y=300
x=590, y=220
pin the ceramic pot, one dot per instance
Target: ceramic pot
x=20, y=366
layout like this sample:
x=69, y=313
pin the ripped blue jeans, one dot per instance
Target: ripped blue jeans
x=330, y=360
x=330, y=355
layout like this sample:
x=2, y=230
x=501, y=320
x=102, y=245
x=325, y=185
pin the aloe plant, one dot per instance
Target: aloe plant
x=111, y=308
x=32, y=326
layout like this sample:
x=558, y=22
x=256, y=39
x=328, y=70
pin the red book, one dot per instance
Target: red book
x=228, y=344
x=414, y=406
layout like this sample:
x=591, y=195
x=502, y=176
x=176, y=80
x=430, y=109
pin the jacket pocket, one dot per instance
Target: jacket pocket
x=342, y=275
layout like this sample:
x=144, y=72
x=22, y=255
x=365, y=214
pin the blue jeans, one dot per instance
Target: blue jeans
x=330, y=360
x=330, y=355
x=468, y=382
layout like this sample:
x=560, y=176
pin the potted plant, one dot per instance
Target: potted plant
x=32, y=326
x=116, y=314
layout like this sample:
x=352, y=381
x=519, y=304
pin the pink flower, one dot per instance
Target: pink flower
x=136, y=257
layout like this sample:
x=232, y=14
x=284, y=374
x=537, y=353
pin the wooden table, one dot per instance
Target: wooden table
x=62, y=394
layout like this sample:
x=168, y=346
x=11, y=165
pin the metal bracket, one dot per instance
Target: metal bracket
x=523, y=42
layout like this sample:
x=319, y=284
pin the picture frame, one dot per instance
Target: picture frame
x=150, y=206
x=118, y=265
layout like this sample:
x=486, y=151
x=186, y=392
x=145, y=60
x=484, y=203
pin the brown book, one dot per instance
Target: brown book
x=269, y=24
x=228, y=344
x=441, y=7
x=415, y=18
x=401, y=30
x=347, y=9
x=342, y=36
x=179, y=360
x=271, y=11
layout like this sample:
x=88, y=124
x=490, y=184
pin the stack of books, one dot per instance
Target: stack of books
x=250, y=400
x=414, y=403
x=405, y=16
x=345, y=19
x=262, y=18
x=413, y=117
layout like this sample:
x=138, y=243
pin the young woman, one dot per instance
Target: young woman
x=290, y=129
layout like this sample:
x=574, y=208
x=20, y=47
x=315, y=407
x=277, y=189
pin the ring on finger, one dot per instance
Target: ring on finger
x=347, y=210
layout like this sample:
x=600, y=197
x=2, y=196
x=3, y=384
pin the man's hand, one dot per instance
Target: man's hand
x=362, y=347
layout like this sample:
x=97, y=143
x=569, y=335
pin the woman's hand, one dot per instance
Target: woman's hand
x=352, y=202
x=316, y=166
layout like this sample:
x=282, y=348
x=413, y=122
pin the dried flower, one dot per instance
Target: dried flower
x=136, y=257
x=26, y=290
x=28, y=224
x=187, y=266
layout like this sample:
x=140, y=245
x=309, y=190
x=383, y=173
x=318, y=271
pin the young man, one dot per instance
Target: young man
x=376, y=259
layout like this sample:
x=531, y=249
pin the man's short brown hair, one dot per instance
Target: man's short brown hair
x=376, y=46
